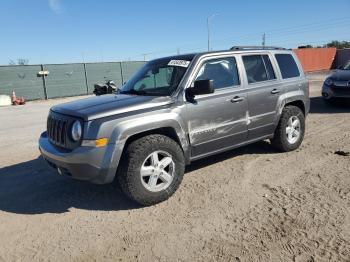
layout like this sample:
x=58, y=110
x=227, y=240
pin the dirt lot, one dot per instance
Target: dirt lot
x=250, y=204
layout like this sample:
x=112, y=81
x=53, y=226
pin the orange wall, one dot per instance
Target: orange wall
x=316, y=59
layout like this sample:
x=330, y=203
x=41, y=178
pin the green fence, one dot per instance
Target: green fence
x=63, y=79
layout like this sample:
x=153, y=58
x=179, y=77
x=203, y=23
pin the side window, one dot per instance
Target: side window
x=222, y=71
x=258, y=68
x=287, y=65
x=269, y=69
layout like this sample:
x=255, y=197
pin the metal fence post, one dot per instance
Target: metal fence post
x=86, y=79
x=121, y=72
x=44, y=82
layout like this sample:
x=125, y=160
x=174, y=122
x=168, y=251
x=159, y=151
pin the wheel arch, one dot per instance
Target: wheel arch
x=166, y=131
x=295, y=98
x=173, y=132
x=298, y=103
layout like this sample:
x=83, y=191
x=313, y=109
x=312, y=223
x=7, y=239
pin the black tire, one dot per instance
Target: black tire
x=129, y=177
x=280, y=141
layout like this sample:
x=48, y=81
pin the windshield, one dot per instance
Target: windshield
x=347, y=66
x=159, y=78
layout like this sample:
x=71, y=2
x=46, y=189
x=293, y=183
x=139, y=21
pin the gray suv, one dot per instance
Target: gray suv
x=175, y=110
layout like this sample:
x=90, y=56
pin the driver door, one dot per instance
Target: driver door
x=217, y=121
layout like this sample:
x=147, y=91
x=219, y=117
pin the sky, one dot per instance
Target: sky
x=64, y=31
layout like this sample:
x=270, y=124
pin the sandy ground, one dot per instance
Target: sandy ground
x=250, y=204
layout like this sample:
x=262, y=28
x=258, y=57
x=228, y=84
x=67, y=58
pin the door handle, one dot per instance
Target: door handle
x=237, y=99
x=275, y=91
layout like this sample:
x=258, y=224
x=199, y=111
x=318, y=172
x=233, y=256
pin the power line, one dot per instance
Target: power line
x=290, y=33
x=297, y=31
x=299, y=43
x=273, y=34
x=293, y=28
x=282, y=30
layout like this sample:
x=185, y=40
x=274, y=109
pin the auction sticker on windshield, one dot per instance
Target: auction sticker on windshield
x=182, y=63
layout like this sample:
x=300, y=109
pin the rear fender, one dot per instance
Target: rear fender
x=287, y=98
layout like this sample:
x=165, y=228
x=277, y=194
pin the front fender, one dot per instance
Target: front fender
x=120, y=130
x=125, y=129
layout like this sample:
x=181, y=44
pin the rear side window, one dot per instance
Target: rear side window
x=258, y=68
x=222, y=71
x=269, y=68
x=287, y=65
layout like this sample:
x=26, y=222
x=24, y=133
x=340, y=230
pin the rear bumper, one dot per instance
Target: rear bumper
x=329, y=92
x=84, y=163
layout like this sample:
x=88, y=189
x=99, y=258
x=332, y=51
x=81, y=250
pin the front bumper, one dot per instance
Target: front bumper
x=329, y=92
x=97, y=165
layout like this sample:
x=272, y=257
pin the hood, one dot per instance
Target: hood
x=341, y=75
x=107, y=105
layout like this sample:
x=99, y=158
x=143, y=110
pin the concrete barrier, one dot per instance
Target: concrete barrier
x=5, y=100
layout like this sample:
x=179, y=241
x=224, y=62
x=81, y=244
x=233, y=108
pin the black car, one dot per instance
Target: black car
x=337, y=85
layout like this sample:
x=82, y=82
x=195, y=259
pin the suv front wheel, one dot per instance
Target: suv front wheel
x=290, y=131
x=151, y=169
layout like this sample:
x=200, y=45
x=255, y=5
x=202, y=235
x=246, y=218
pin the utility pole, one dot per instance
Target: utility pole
x=83, y=57
x=144, y=57
x=208, y=28
x=263, y=40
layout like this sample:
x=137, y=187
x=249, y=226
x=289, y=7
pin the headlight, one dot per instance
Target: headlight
x=329, y=82
x=76, y=131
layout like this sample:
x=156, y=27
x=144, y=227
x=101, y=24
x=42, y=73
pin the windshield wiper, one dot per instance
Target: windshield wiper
x=133, y=92
x=140, y=92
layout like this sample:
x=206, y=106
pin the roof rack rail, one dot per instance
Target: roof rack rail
x=257, y=47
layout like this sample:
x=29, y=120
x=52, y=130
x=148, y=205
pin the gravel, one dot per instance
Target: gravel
x=249, y=204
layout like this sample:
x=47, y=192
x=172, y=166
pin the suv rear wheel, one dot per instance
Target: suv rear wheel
x=151, y=169
x=290, y=130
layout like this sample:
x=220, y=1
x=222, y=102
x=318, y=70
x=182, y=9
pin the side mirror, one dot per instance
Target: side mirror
x=340, y=67
x=201, y=87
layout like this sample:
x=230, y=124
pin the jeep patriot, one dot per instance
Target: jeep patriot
x=175, y=110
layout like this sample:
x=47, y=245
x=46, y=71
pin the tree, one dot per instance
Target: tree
x=20, y=61
x=338, y=44
x=335, y=43
x=305, y=46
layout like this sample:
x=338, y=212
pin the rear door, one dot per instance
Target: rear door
x=293, y=79
x=217, y=121
x=263, y=92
